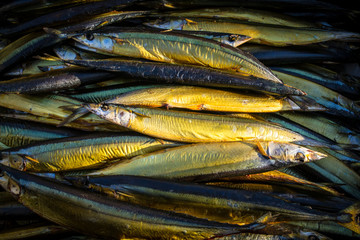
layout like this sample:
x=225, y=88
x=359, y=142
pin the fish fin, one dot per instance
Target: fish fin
x=60, y=34
x=3, y=147
x=190, y=21
x=169, y=5
x=167, y=30
x=160, y=140
x=102, y=24
x=119, y=40
x=31, y=159
x=262, y=150
x=71, y=108
x=48, y=57
x=118, y=192
x=352, y=212
x=56, y=32
x=138, y=114
x=77, y=113
x=267, y=218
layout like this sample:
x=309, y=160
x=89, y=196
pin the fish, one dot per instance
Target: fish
x=266, y=34
x=190, y=126
x=208, y=99
x=87, y=151
x=106, y=217
x=208, y=161
x=188, y=74
x=173, y=47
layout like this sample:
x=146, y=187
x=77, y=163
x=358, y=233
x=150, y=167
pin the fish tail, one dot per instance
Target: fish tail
x=350, y=218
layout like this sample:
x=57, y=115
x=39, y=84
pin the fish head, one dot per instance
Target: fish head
x=110, y=112
x=65, y=52
x=13, y=160
x=167, y=24
x=235, y=40
x=7, y=183
x=96, y=41
x=289, y=152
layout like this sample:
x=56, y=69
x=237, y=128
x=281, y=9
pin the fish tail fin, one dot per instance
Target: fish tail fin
x=48, y=57
x=350, y=217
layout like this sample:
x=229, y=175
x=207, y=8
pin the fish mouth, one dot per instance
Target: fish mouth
x=313, y=155
x=4, y=180
x=4, y=160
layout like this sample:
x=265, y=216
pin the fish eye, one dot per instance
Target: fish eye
x=89, y=36
x=300, y=157
x=232, y=38
x=104, y=107
x=312, y=237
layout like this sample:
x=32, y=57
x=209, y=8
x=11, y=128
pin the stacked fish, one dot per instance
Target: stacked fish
x=130, y=119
